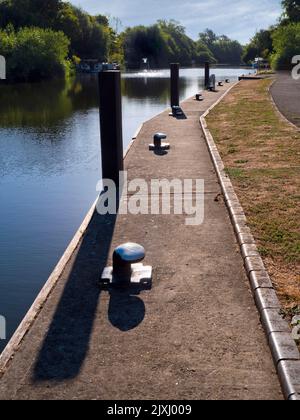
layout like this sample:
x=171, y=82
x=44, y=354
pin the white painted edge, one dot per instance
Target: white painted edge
x=136, y=134
x=262, y=295
x=16, y=340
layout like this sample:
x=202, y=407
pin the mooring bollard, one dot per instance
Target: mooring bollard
x=157, y=142
x=212, y=83
x=174, y=84
x=206, y=74
x=126, y=269
x=110, y=103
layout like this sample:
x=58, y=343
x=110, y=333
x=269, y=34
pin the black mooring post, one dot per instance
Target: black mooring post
x=174, y=84
x=207, y=74
x=110, y=99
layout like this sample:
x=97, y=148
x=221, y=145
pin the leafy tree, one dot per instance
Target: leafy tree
x=141, y=42
x=222, y=48
x=181, y=47
x=89, y=35
x=20, y=13
x=286, y=41
x=203, y=53
x=208, y=37
x=227, y=51
x=261, y=45
x=34, y=53
x=291, y=11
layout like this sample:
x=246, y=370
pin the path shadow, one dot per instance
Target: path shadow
x=66, y=344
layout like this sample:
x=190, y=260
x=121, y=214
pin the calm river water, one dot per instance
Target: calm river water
x=50, y=165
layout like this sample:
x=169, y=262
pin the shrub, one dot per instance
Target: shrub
x=34, y=54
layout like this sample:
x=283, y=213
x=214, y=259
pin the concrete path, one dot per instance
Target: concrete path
x=195, y=335
x=286, y=94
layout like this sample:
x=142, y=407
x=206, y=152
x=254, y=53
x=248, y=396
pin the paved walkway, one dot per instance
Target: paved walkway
x=286, y=94
x=195, y=335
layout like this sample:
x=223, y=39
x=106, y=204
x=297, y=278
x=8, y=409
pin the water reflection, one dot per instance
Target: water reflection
x=48, y=104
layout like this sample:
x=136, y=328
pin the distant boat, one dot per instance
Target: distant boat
x=261, y=64
x=95, y=66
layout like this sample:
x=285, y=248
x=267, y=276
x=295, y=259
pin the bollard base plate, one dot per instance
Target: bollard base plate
x=164, y=146
x=140, y=276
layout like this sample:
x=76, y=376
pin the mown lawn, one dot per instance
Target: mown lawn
x=261, y=153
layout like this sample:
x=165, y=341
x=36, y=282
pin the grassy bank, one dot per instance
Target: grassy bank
x=261, y=153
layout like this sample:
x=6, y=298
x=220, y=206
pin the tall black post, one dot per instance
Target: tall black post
x=174, y=84
x=111, y=124
x=207, y=75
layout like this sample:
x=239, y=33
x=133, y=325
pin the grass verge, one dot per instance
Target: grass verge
x=261, y=153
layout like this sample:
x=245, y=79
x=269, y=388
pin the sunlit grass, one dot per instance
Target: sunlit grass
x=261, y=153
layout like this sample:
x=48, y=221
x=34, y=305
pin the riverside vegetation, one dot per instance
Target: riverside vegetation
x=43, y=39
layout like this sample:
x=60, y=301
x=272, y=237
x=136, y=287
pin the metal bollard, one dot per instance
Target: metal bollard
x=110, y=103
x=157, y=142
x=123, y=258
x=206, y=74
x=174, y=84
x=212, y=83
x=126, y=269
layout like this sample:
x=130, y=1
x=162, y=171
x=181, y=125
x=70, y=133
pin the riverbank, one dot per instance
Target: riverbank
x=261, y=152
x=195, y=335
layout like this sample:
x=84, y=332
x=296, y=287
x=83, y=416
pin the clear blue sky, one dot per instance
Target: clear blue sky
x=238, y=19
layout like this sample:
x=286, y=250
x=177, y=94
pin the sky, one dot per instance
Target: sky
x=238, y=19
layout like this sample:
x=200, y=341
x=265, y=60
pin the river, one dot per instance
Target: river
x=50, y=165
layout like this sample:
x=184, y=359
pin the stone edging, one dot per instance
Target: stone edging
x=283, y=348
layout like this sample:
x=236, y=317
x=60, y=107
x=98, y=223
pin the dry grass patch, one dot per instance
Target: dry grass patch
x=261, y=153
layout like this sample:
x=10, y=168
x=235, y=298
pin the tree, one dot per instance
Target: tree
x=227, y=51
x=162, y=43
x=222, y=48
x=261, y=45
x=286, y=41
x=21, y=13
x=208, y=37
x=89, y=35
x=291, y=10
x=203, y=53
x=181, y=47
x=34, y=54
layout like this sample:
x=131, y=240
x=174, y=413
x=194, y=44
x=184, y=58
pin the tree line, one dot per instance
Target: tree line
x=279, y=43
x=44, y=38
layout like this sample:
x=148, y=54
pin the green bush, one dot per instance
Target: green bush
x=34, y=54
x=89, y=35
x=286, y=42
